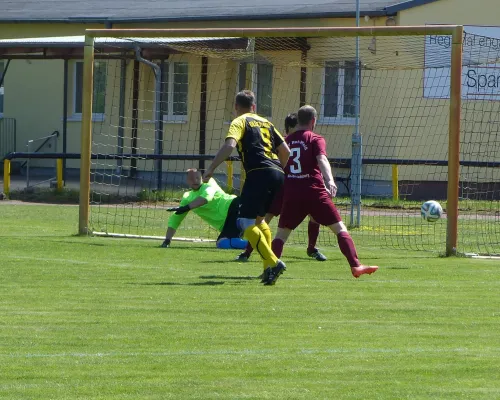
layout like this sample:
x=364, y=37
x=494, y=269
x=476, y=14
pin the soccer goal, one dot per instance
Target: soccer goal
x=393, y=104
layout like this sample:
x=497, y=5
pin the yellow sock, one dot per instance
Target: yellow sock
x=258, y=241
x=264, y=228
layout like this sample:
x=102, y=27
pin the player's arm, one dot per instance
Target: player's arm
x=182, y=209
x=175, y=220
x=326, y=171
x=198, y=202
x=221, y=156
x=235, y=133
x=282, y=148
x=283, y=153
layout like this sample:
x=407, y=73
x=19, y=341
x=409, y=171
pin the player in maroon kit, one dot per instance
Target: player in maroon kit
x=309, y=188
x=275, y=210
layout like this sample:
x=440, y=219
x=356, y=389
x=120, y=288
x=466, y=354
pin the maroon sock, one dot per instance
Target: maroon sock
x=277, y=247
x=312, y=233
x=248, y=249
x=348, y=249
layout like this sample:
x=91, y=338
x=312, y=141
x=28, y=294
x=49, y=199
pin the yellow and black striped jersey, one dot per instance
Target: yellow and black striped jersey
x=257, y=140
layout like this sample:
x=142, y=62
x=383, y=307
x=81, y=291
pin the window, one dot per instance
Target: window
x=1, y=88
x=262, y=85
x=99, y=96
x=175, y=91
x=338, y=93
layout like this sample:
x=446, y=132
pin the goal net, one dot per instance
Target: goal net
x=163, y=102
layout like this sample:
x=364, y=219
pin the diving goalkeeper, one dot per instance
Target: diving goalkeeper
x=214, y=206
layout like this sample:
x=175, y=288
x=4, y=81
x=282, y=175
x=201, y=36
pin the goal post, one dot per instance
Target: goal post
x=270, y=39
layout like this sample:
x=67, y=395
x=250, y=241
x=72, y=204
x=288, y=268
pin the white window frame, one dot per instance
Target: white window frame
x=340, y=119
x=254, y=85
x=96, y=117
x=2, y=89
x=168, y=114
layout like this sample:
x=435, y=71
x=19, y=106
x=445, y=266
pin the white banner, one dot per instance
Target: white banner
x=480, y=72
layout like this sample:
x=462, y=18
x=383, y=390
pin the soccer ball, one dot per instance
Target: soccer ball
x=431, y=211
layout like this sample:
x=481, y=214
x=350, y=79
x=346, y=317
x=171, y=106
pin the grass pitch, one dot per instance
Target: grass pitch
x=98, y=318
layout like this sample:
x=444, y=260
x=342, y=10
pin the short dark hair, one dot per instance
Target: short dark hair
x=290, y=122
x=245, y=99
x=306, y=114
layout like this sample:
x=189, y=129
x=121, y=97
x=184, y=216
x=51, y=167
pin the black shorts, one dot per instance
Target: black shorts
x=259, y=190
x=230, y=229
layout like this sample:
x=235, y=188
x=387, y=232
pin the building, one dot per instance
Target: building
x=34, y=92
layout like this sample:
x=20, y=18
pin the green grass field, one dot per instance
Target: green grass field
x=100, y=318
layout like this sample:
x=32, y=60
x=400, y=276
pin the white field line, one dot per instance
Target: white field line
x=129, y=236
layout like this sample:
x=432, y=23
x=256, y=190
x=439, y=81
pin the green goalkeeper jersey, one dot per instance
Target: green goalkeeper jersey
x=214, y=213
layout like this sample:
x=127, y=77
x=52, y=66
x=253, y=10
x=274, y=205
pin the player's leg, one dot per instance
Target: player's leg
x=293, y=212
x=312, y=234
x=168, y=237
x=272, y=207
x=229, y=237
x=252, y=201
x=279, y=241
x=245, y=255
x=348, y=249
x=266, y=230
x=263, y=225
x=324, y=211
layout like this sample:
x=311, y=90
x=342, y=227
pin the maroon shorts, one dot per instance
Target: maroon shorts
x=275, y=208
x=315, y=203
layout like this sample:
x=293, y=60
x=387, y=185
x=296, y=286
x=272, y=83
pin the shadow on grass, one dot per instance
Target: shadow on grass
x=211, y=280
x=231, y=278
x=206, y=283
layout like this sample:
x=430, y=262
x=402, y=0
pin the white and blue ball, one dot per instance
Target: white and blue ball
x=431, y=211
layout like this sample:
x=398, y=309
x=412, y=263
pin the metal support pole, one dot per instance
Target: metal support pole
x=6, y=176
x=28, y=164
x=65, y=116
x=357, y=149
x=59, y=174
x=157, y=115
x=121, y=116
x=203, y=111
x=395, y=182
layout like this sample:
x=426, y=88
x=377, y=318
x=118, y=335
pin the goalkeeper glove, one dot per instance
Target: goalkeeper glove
x=179, y=210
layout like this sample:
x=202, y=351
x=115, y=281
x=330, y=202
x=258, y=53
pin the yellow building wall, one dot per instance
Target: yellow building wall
x=389, y=127
x=34, y=92
x=33, y=96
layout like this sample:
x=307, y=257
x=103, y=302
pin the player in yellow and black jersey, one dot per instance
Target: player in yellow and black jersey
x=264, y=154
x=257, y=140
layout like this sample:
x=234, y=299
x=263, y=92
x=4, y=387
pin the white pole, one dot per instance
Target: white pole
x=356, y=158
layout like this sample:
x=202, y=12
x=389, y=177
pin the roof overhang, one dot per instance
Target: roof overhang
x=71, y=47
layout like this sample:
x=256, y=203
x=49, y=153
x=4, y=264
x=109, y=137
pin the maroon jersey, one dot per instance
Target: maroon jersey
x=304, y=189
x=302, y=171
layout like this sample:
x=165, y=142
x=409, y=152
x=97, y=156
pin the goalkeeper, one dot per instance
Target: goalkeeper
x=214, y=206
